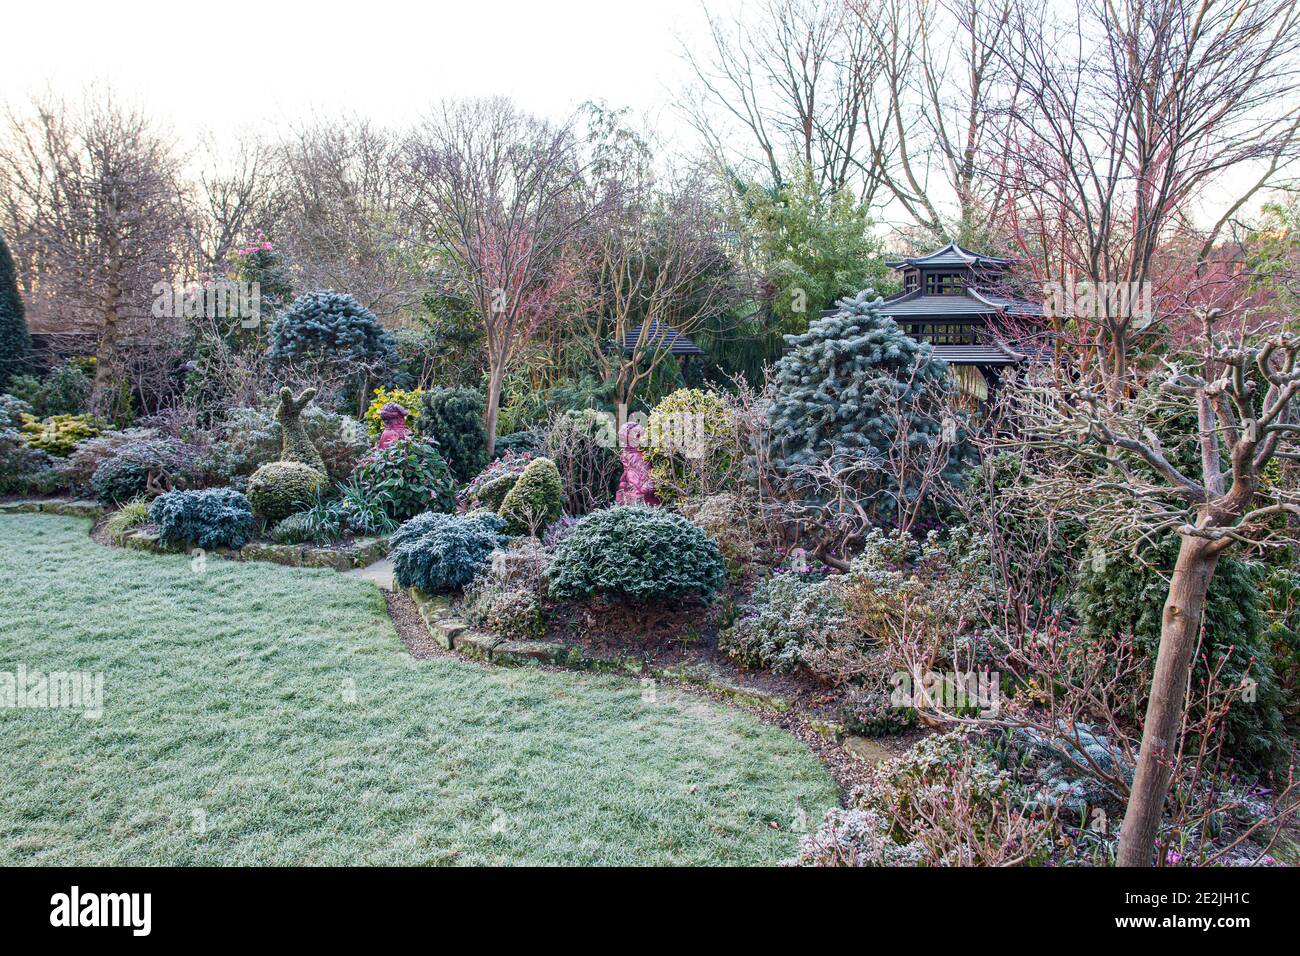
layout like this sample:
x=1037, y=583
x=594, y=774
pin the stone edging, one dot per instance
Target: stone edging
x=363, y=552
x=454, y=634
x=71, y=508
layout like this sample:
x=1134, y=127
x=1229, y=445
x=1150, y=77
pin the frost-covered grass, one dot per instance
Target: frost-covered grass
x=255, y=714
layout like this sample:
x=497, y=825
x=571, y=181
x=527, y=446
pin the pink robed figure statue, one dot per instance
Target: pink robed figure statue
x=394, y=418
x=635, y=487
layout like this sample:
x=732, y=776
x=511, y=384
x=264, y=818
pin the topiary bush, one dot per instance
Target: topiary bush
x=328, y=326
x=59, y=434
x=256, y=438
x=295, y=444
x=409, y=477
x=638, y=553
x=535, y=500
x=439, y=552
x=1127, y=596
x=282, y=488
x=453, y=417
x=216, y=518
x=842, y=388
x=490, y=486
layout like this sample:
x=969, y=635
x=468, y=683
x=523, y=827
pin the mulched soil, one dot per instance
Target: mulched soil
x=683, y=634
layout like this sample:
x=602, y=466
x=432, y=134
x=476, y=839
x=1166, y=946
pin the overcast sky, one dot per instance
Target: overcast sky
x=276, y=61
x=256, y=65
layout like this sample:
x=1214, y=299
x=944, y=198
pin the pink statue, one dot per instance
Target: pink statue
x=636, y=487
x=394, y=418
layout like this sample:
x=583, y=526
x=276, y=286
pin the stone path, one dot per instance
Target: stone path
x=380, y=573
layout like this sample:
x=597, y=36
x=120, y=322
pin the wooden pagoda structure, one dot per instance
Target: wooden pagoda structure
x=951, y=299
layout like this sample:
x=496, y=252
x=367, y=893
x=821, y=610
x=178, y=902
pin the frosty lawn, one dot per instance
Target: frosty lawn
x=260, y=714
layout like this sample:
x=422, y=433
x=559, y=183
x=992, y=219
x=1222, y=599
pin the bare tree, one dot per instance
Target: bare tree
x=496, y=190
x=1120, y=119
x=93, y=189
x=227, y=201
x=794, y=77
x=659, y=271
x=1242, y=390
x=343, y=219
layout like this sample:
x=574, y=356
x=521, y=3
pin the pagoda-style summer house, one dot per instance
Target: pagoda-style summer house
x=949, y=300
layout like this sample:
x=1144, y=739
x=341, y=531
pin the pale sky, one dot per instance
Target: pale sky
x=275, y=61
x=253, y=66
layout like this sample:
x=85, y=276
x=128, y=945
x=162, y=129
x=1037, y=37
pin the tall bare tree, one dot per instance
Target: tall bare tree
x=659, y=271
x=227, y=196
x=342, y=216
x=1122, y=117
x=1242, y=389
x=497, y=191
x=93, y=188
x=793, y=77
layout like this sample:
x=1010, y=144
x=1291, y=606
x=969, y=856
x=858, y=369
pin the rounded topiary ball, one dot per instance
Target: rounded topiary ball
x=631, y=551
x=535, y=500
x=282, y=488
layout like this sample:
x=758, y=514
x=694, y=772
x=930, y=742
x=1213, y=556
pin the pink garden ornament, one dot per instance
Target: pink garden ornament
x=394, y=418
x=636, y=487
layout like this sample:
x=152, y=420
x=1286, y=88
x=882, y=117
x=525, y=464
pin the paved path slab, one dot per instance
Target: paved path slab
x=381, y=573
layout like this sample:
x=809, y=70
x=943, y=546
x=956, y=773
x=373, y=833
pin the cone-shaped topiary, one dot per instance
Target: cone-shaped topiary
x=15, y=340
x=282, y=488
x=840, y=389
x=536, y=499
x=295, y=445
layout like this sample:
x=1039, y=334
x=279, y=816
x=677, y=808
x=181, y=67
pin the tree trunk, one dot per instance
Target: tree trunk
x=1180, y=627
x=493, y=406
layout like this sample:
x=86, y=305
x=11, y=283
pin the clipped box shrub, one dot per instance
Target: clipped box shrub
x=283, y=488
x=535, y=500
x=453, y=417
x=439, y=552
x=639, y=553
x=490, y=487
x=216, y=518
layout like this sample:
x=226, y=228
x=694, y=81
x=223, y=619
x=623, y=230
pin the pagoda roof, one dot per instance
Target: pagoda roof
x=951, y=255
x=661, y=335
x=972, y=302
